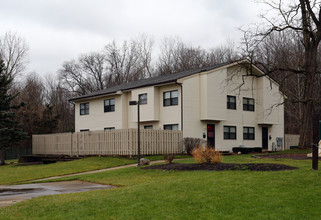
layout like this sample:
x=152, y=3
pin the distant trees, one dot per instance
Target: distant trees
x=40, y=115
x=113, y=66
x=10, y=128
x=176, y=56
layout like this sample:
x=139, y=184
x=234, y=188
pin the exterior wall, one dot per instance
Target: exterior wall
x=214, y=95
x=97, y=118
x=169, y=114
x=148, y=111
x=154, y=113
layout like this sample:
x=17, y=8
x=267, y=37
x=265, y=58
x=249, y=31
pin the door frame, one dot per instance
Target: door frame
x=265, y=138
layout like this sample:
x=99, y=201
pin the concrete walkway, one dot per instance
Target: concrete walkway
x=95, y=171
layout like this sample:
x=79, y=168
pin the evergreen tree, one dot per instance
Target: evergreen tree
x=10, y=129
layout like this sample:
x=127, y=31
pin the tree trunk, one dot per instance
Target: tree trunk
x=306, y=131
x=306, y=122
x=2, y=157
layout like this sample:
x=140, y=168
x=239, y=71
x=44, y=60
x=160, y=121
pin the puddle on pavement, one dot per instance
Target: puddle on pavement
x=12, y=194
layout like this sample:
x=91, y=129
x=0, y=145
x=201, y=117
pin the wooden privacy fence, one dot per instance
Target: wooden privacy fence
x=109, y=142
x=291, y=140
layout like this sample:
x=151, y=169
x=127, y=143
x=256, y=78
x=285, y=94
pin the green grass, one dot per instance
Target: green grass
x=155, y=194
x=12, y=174
x=294, y=151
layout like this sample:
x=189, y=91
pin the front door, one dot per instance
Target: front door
x=210, y=135
x=265, y=138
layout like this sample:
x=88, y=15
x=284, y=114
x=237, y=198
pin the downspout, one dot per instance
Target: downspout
x=182, y=123
x=181, y=85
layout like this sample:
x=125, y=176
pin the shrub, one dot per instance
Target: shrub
x=208, y=155
x=168, y=158
x=191, y=143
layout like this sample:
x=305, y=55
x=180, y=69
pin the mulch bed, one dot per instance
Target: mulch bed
x=222, y=167
x=285, y=156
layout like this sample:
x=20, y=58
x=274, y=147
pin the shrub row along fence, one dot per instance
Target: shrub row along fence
x=109, y=142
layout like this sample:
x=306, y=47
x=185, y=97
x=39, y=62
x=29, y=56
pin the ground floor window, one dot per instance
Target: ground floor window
x=109, y=128
x=229, y=132
x=248, y=133
x=148, y=126
x=171, y=127
x=83, y=130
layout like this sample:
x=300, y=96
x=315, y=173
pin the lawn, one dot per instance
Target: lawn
x=13, y=174
x=154, y=194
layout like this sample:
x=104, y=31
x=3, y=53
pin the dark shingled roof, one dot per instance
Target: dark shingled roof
x=150, y=81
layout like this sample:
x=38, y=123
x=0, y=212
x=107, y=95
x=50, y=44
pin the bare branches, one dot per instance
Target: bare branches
x=14, y=52
x=286, y=47
x=116, y=64
x=177, y=56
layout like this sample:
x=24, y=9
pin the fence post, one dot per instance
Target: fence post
x=315, y=156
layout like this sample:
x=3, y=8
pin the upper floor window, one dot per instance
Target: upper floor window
x=231, y=102
x=229, y=132
x=84, y=108
x=248, y=133
x=170, y=98
x=171, y=127
x=109, y=105
x=142, y=98
x=248, y=104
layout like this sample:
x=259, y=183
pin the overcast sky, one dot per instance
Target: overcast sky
x=60, y=30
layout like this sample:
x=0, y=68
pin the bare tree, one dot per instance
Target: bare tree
x=85, y=75
x=58, y=97
x=298, y=18
x=129, y=62
x=32, y=93
x=115, y=65
x=14, y=52
x=176, y=56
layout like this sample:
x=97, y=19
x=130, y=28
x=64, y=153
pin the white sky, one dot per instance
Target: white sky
x=60, y=30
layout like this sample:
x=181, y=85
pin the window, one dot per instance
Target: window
x=84, y=108
x=248, y=104
x=83, y=130
x=248, y=133
x=231, y=102
x=109, y=105
x=171, y=127
x=109, y=128
x=170, y=98
x=229, y=132
x=148, y=126
x=142, y=98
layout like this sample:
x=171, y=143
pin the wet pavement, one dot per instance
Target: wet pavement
x=12, y=194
